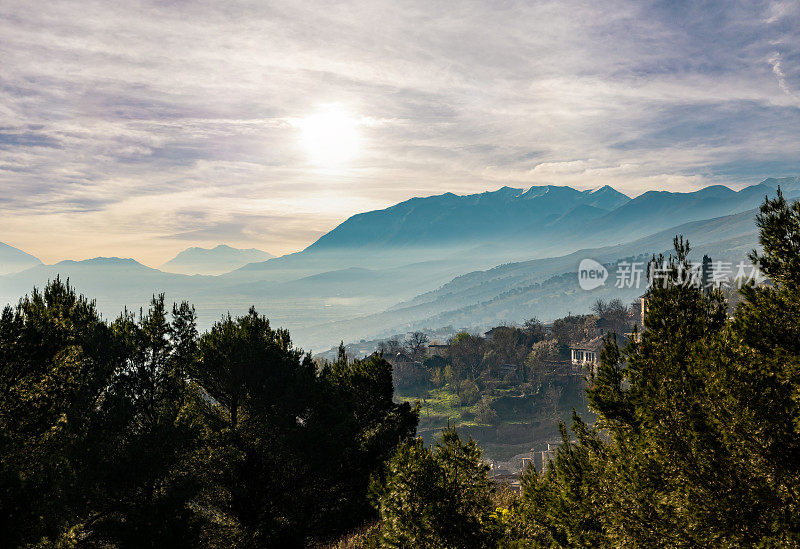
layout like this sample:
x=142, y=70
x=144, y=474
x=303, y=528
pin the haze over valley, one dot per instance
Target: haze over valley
x=463, y=261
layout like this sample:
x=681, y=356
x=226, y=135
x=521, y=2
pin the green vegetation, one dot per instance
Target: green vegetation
x=510, y=389
x=436, y=497
x=141, y=433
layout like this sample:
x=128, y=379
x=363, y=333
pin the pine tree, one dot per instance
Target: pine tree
x=56, y=359
x=437, y=497
x=696, y=439
x=145, y=484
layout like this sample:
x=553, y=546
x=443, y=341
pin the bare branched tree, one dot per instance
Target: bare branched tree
x=416, y=344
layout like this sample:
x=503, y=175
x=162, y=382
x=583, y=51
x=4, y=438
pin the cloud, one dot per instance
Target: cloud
x=777, y=70
x=134, y=128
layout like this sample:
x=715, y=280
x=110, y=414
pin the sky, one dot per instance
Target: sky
x=139, y=128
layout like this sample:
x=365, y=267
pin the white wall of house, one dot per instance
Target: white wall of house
x=583, y=356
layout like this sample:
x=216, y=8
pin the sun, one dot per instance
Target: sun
x=330, y=136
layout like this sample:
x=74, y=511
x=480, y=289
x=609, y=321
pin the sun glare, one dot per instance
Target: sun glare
x=330, y=136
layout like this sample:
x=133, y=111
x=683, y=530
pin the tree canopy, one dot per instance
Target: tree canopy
x=142, y=433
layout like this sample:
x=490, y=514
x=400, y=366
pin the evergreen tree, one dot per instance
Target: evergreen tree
x=257, y=390
x=359, y=426
x=437, y=497
x=56, y=359
x=142, y=496
x=696, y=439
x=292, y=450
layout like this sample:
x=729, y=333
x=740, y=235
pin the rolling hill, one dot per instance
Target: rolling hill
x=13, y=260
x=546, y=288
x=213, y=261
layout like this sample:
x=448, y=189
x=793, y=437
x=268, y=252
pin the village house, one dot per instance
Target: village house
x=582, y=356
x=586, y=354
x=437, y=349
x=546, y=456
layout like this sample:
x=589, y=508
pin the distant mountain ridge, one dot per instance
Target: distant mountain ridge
x=213, y=261
x=538, y=215
x=14, y=260
x=508, y=253
x=546, y=288
x=115, y=283
x=448, y=219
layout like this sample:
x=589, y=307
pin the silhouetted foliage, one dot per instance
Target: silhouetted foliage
x=696, y=440
x=436, y=497
x=140, y=433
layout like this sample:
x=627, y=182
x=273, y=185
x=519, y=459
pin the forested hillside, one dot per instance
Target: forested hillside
x=508, y=388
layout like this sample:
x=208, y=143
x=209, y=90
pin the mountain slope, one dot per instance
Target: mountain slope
x=649, y=213
x=100, y=276
x=507, y=225
x=451, y=220
x=115, y=283
x=213, y=261
x=546, y=288
x=13, y=260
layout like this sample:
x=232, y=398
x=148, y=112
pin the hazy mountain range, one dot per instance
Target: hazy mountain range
x=442, y=260
x=546, y=288
x=213, y=261
x=13, y=260
x=452, y=220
